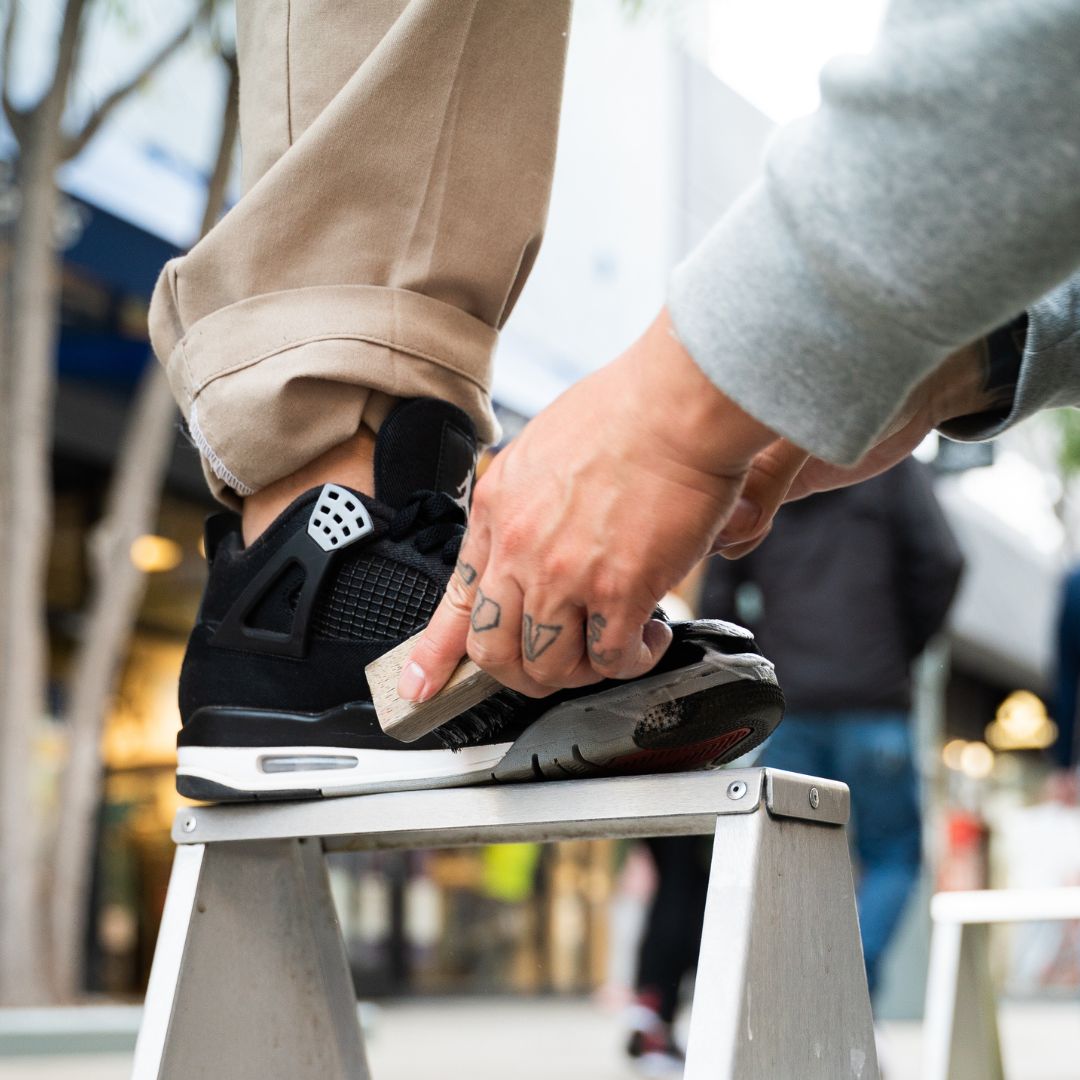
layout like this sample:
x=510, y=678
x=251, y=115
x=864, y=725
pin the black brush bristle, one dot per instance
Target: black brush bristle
x=481, y=721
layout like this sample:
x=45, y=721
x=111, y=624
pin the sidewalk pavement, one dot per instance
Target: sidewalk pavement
x=513, y=1039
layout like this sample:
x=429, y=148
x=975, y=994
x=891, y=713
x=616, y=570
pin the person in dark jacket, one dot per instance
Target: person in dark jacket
x=846, y=592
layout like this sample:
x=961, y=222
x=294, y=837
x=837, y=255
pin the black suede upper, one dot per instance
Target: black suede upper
x=239, y=687
x=213, y=675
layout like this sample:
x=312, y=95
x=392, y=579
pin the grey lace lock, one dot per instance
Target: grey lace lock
x=338, y=519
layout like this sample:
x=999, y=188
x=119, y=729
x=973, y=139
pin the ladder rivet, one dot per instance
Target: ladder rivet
x=815, y=798
x=736, y=789
x=189, y=824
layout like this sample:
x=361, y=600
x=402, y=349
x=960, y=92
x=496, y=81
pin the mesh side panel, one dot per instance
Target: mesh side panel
x=374, y=598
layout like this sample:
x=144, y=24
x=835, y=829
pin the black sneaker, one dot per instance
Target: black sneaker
x=273, y=696
x=652, y=1048
x=654, y=1053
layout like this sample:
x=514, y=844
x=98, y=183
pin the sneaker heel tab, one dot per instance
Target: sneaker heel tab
x=425, y=444
x=217, y=528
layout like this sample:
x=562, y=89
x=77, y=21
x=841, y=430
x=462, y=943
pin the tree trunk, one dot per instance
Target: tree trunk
x=132, y=505
x=31, y=282
x=25, y=530
x=118, y=591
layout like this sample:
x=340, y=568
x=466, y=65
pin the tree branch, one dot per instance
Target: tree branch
x=223, y=161
x=76, y=143
x=66, y=51
x=8, y=47
x=14, y=116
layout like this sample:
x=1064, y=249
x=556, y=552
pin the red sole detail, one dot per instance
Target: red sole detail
x=674, y=759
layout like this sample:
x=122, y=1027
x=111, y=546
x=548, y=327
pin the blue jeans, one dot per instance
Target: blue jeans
x=871, y=752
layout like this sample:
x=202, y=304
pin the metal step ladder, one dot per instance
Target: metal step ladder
x=250, y=980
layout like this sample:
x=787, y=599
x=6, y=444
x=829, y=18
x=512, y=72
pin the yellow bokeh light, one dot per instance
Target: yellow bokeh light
x=977, y=760
x=1021, y=724
x=155, y=554
x=952, y=751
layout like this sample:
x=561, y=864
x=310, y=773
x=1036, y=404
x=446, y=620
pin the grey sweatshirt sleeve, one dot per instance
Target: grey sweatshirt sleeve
x=933, y=196
x=1049, y=369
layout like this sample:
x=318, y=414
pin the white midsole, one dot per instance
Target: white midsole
x=341, y=770
x=244, y=767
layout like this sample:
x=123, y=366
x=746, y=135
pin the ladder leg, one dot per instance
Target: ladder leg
x=961, y=1041
x=168, y=957
x=781, y=987
x=941, y=989
x=250, y=978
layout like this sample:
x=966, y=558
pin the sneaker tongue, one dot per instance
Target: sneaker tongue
x=425, y=445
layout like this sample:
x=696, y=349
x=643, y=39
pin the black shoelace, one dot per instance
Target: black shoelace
x=433, y=521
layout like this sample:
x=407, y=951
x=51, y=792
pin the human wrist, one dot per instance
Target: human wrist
x=977, y=384
x=684, y=410
x=955, y=388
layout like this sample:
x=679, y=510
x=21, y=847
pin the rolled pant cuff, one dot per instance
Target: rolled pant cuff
x=270, y=383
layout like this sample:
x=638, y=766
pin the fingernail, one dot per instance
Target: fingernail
x=410, y=686
x=657, y=636
x=743, y=521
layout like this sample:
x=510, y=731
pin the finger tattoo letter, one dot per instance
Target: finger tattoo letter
x=537, y=637
x=605, y=657
x=486, y=613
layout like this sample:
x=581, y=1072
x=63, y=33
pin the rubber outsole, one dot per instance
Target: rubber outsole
x=203, y=790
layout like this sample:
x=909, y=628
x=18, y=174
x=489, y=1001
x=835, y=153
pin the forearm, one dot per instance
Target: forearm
x=935, y=194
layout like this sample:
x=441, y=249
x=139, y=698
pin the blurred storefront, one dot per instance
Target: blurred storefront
x=515, y=917
x=506, y=918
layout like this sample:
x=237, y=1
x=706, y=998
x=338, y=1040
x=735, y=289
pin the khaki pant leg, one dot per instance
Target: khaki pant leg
x=397, y=169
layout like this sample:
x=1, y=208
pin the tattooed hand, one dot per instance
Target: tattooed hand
x=606, y=501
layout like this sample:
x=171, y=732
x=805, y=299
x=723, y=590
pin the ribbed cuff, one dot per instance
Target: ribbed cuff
x=1049, y=372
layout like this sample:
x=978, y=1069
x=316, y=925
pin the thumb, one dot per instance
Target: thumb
x=652, y=642
x=771, y=474
x=440, y=648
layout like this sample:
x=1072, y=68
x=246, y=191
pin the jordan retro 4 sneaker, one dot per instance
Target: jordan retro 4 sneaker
x=273, y=697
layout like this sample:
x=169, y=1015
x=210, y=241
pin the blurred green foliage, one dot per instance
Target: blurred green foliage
x=1068, y=423
x=120, y=11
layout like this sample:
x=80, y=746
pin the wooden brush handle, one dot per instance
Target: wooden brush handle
x=407, y=722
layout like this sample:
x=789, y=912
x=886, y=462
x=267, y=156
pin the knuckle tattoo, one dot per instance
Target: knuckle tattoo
x=598, y=655
x=466, y=571
x=537, y=637
x=486, y=613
